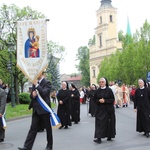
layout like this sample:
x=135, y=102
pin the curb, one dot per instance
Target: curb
x=17, y=118
x=22, y=117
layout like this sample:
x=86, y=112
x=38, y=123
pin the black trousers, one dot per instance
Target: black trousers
x=2, y=132
x=36, y=118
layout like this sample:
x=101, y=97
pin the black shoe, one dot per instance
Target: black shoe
x=97, y=140
x=22, y=148
x=1, y=140
x=48, y=148
x=61, y=127
x=66, y=127
x=117, y=106
x=147, y=135
x=108, y=139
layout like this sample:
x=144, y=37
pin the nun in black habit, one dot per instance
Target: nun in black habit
x=105, y=120
x=63, y=110
x=92, y=104
x=75, y=104
x=142, y=107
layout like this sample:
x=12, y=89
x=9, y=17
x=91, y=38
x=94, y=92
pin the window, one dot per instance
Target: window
x=100, y=40
x=111, y=19
x=94, y=72
x=100, y=19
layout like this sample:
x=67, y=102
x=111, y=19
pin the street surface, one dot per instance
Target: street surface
x=80, y=136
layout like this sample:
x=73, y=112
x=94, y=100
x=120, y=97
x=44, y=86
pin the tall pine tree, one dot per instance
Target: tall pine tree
x=53, y=72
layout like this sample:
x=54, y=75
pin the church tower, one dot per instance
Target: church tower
x=106, y=38
x=128, y=27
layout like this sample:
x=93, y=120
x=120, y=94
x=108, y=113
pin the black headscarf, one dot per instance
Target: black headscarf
x=73, y=86
x=67, y=86
x=94, y=86
x=107, y=84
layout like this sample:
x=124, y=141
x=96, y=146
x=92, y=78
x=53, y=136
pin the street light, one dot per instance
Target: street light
x=9, y=66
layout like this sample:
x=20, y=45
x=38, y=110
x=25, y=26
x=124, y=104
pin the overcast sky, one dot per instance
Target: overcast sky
x=72, y=22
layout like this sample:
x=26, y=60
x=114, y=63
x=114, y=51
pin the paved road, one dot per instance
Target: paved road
x=80, y=136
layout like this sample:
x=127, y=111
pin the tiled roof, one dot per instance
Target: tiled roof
x=78, y=78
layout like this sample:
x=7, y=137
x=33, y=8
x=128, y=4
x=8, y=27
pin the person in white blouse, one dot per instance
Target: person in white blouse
x=81, y=95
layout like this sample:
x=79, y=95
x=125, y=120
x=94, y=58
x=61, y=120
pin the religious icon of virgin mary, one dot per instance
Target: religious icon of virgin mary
x=32, y=45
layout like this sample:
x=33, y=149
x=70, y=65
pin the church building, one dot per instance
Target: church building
x=106, y=38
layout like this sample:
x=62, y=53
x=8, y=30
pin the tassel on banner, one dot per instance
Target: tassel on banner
x=55, y=121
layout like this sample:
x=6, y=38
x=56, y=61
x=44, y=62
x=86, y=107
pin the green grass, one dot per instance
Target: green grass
x=19, y=110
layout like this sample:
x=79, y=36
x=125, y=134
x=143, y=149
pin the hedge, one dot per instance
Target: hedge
x=24, y=98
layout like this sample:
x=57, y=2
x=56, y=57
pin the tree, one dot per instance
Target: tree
x=53, y=73
x=91, y=41
x=121, y=36
x=142, y=44
x=9, y=16
x=126, y=39
x=56, y=50
x=133, y=61
x=83, y=67
x=56, y=55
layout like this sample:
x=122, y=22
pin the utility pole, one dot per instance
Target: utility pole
x=12, y=92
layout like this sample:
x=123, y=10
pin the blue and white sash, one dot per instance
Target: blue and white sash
x=55, y=121
x=3, y=121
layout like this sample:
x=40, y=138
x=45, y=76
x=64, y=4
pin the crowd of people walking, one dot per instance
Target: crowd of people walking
x=102, y=100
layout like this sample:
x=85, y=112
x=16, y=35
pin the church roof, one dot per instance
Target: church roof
x=77, y=78
x=105, y=3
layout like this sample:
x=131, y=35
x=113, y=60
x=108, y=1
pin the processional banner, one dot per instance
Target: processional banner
x=32, y=47
x=32, y=55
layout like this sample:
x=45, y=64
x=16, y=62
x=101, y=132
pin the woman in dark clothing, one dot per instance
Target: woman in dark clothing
x=92, y=104
x=142, y=107
x=75, y=104
x=63, y=111
x=105, y=121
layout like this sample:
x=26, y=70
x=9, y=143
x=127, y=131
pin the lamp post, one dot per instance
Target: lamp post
x=9, y=66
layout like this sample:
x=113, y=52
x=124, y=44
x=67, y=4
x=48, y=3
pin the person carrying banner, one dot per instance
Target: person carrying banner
x=2, y=112
x=43, y=88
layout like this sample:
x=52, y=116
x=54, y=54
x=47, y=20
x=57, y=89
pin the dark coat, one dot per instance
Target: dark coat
x=39, y=115
x=105, y=121
x=2, y=111
x=75, y=106
x=63, y=110
x=44, y=89
x=2, y=101
x=142, y=104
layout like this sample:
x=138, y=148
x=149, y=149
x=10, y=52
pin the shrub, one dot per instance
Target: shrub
x=24, y=98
